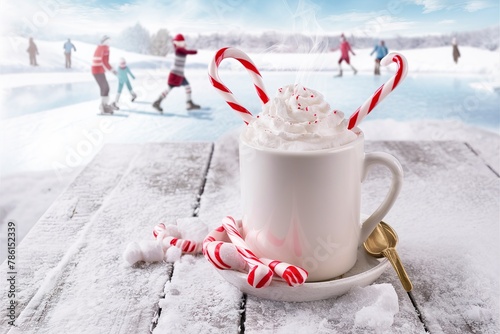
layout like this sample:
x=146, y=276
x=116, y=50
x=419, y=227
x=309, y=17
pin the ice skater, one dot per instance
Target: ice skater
x=68, y=47
x=176, y=77
x=100, y=64
x=456, y=52
x=381, y=51
x=33, y=52
x=123, y=73
x=345, y=48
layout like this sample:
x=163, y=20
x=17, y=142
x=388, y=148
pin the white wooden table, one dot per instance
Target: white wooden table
x=72, y=279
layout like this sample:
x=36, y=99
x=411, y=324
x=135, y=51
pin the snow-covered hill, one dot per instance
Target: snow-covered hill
x=14, y=59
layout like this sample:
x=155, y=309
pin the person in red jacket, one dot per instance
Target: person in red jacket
x=176, y=77
x=100, y=64
x=345, y=48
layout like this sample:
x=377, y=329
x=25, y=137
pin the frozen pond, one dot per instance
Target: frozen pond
x=427, y=97
x=423, y=96
x=20, y=101
x=43, y=124
x=420, y=97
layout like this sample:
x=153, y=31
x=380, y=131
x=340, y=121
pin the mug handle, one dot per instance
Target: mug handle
x=396, y=170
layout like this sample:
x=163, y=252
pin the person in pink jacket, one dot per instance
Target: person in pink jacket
x=345, y=48
x=176, y=77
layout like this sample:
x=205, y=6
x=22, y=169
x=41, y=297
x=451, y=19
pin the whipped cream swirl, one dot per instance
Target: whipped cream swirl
x=298, y=119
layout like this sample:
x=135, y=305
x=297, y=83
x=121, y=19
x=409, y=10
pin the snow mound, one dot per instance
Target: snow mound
x=193, y=229
x=373, y=307
x=381, y=303
x=173, y=254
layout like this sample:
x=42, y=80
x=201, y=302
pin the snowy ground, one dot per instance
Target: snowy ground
x=14, y=59
x=50, y=129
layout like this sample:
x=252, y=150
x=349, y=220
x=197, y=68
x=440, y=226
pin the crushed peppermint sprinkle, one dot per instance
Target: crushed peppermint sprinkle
x=294, y=125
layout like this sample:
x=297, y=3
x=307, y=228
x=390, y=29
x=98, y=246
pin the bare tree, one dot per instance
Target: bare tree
x=161, y=43
x=135, y=38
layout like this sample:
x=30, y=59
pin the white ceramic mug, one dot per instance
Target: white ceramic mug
x=304, y=207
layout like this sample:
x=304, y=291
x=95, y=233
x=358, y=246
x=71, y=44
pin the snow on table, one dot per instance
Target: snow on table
x=72, y=277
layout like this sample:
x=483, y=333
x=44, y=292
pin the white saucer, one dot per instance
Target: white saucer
x=365, y=271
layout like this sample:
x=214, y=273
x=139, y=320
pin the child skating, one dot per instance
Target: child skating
x=123, y=73
x=176, y=77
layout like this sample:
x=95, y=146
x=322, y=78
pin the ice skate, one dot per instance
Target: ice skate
x=157, y=106
x=355, y=71
x=106, y=109
x=114, y=105
x=134, y=96
x=191, y=106
x=339, y=74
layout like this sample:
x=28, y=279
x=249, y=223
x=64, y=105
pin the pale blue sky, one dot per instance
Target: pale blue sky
x=360, y=17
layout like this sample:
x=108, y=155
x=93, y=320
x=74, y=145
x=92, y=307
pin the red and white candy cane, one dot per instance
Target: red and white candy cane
x=187, y=246
x=222, y=255
x=383, y=90
x=159, y=229
x=293, y=275
x=228, y=96
x=260, y=275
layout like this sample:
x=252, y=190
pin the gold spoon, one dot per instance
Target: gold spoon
x=382, y=242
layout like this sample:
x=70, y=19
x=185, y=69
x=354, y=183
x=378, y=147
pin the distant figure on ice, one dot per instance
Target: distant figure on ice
x=456, y=53
x=33, y=52
x=123, y=73
x=100, y=64
x=176, y=77
x=345, y=48
x=68, y=47
x=381, y=52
